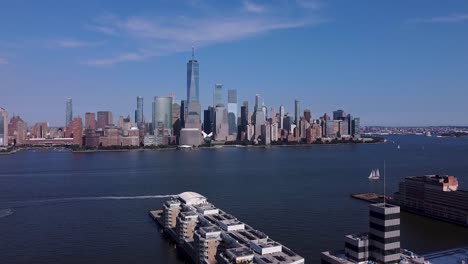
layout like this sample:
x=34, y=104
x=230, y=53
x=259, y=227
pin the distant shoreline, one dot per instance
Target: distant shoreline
x=69, y=149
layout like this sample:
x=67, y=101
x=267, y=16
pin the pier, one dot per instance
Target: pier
x=372, y=197
x=208, y=235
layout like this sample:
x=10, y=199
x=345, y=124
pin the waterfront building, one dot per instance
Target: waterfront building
x=218, y=99
x=339, y=115
x=250, y=132
x=104, y=118
x=332, y=128
x=68, y=111
x=356, y=127
x=3, y=127
x=171, y=209
x=90, y=121
x=40, y=130
x=344, y=128
x=274, y=132
x=287, y=123
x=206, y=242
x=297, y=112
x=281, y=116
x=266, y=134
x=17, y=130
x=259, y=121
x=303, y=126
x=209, y=235
x=208, y=120
x=183, y=112
x=91, y=138
x=162, y=115
x=220, y=124
x=381, y=245
x=111, y=136
x=185, y=226
x=190, y=137
x=323, y=122
x=139, y=110
x=313, y=133
x=232, y=111
x=75, y=130
x=434, y=196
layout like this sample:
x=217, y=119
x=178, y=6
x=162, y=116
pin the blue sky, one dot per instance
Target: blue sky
x=390, y=62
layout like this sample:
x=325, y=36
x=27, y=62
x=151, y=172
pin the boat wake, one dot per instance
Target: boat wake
x=5, y=212
x=99, y=198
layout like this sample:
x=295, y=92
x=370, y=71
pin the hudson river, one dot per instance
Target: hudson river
x=60, y=207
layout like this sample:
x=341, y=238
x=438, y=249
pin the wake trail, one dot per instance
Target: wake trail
x=99, y=198
x=5, y=212
x=29, y=203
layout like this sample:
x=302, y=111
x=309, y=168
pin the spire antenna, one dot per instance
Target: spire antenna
x=193, y=52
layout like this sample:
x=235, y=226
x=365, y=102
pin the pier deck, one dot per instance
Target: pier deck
x=372, y=197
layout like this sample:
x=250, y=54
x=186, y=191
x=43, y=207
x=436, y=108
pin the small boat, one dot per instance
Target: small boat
x=374, y=175
x=398, y=147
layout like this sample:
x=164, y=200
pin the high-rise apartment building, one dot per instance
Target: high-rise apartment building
x=218, y=95
x=162, y=115
x=75, y=130
x=104, y=118
x=90, y=121
x=17, y=130
x=380, y=245
x=232, y=111
x=3, y=127
x=68, y=111
x=139, y=110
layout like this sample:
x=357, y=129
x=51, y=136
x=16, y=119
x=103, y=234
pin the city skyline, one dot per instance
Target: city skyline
x=311, y=53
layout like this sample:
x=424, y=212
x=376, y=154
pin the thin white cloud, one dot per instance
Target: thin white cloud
x=252, y=7
x=453, y=18
x=73, y=43
x=308, y=4
x=4, y=61
x=119, y=58
x=150, y=37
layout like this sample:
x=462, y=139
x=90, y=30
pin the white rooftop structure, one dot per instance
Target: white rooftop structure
x=192, y=198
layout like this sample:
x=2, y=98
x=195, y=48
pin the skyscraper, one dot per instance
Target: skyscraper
x=192, y=79
x=68, y=111
x=232, y=111
x=218, y=95
x=139, y=110
x=281, y=117
x=162, y=115
x=221, y=126
x=256, y=106
x=208, y=120
x=104, y=118
x=3, y=127
x=244, y=117
x=308, y=115
x=339, y=115
x=297, y=112
x=90, y=121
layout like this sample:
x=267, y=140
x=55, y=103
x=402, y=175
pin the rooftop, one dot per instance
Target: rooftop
x=191, y=198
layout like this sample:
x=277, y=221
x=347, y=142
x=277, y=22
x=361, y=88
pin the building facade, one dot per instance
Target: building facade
x=68, y=111
x=3, y=127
